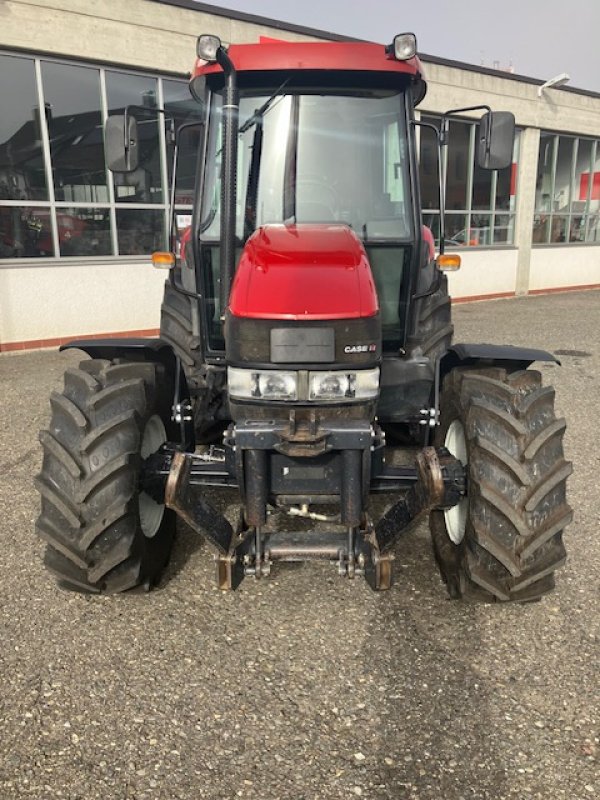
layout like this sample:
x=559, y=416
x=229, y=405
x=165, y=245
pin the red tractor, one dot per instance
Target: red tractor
x=305, y=317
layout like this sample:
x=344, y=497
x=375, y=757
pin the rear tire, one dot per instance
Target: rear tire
x=432, y=339
x=207, y=388
x=176, y=328
x=433, y=336
x=506, y=542
x=102, y=533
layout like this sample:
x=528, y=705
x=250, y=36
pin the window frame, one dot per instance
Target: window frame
x=568, y=216
x=54, y=206
x=468, y=212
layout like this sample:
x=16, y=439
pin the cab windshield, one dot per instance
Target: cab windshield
x=313, y=158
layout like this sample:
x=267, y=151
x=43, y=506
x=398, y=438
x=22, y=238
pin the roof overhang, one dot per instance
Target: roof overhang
x=312, y=56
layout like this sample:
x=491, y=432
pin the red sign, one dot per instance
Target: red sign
x=584, y=183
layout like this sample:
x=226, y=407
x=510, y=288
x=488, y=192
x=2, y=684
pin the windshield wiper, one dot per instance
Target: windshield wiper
x=260, y=112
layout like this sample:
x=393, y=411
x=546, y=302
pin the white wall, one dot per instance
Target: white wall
x=38, y=303
x=135, y=33
x=483, y=273
x=554, y=267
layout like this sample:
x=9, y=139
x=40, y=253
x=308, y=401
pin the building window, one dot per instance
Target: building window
x=22, y=175
x=567, y=195
x=25, y=228
x=144, y=185
x=74, y=120
x=57, y=198
x=25, y=232
x=480, y=204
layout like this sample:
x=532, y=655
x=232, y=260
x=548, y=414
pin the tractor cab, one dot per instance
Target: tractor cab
x=323, y=138
x=315, y=147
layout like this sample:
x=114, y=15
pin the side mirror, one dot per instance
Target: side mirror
x=495, y=140
x=121, y=144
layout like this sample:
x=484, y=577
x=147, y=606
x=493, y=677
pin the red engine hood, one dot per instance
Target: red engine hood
x=303, y=272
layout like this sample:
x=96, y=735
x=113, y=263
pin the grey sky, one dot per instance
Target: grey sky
x=541, y=38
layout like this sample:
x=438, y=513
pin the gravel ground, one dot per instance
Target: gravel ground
x=304, y=686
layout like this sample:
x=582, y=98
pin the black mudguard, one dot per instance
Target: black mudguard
x=133, y=349
x=144, y=351
x=497, y=355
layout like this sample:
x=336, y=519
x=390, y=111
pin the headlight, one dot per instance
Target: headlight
x=337, y=385
x=250, y=384
x=341, y=385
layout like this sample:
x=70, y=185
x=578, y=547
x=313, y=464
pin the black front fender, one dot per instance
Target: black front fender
x=498, y=355
x=144, y=351
x=132, y=349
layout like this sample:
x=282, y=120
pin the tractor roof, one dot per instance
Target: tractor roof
x=330, y=56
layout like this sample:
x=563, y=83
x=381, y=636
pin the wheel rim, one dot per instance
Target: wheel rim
x=456, y=517
x=151, y=512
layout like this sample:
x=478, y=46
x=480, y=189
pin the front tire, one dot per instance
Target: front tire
x=103, y=534
x=505, y=542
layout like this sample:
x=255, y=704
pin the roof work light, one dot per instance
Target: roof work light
x=207, y=47
x=404, y=46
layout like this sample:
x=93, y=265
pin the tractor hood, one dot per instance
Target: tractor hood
x=303, y=272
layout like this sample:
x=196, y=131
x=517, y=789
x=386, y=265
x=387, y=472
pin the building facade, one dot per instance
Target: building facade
x=75, y=240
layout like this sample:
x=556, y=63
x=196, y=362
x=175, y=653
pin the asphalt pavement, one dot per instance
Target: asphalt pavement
x=306, y=685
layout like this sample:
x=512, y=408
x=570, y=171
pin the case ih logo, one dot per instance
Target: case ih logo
x=360, y=348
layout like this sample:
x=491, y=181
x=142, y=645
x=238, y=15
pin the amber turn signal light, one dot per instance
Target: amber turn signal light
x=448, y=263
x=162, y=260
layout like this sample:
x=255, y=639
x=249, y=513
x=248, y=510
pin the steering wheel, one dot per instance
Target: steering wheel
x=317, y=200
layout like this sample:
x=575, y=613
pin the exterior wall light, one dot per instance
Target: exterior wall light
x=558, y=80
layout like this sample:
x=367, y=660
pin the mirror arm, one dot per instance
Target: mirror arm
x=172, y=227
x=176, y=140
x=230, y=107
x=443, y=138
x=439, y=135
x=442, y=179
x=454, y=111
x=445, y=126
x=145, y=110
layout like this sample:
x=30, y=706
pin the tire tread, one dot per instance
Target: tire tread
x=517, y=479
x=89, y=516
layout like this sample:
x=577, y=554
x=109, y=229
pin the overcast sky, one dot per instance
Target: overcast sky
x=541, y=38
